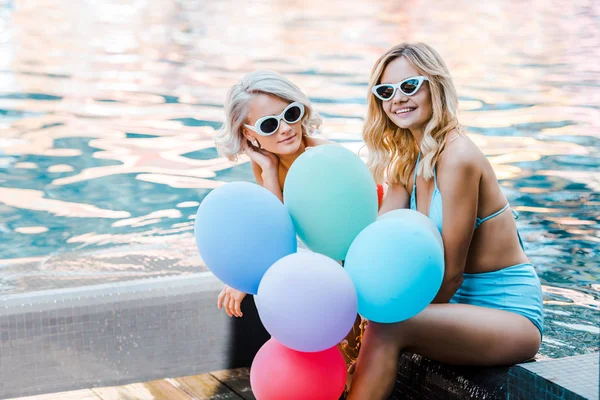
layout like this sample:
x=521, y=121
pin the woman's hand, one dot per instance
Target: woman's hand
x=231, y=299
x=267, y=161
x=396, y=196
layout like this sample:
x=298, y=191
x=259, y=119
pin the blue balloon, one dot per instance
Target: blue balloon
x=407, y=216
x=397, y=269
x=241, y=229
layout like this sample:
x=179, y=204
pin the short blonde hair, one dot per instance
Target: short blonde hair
x=392, y=150
x=230, y=139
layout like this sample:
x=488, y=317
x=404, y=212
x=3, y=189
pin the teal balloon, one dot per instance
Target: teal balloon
x=331, y=196
x=397, y=269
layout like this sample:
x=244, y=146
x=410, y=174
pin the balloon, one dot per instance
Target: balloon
x=380, y=194
x=241, y=230
x=397, y=269
x=331, y=197
x=408, y=217
x=279, y=373
x=307, y=302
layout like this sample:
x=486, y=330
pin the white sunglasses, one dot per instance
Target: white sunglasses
x=407, y=87
x=266, y=126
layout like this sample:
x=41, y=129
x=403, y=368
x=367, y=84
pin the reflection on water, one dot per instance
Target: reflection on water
x=108, y=109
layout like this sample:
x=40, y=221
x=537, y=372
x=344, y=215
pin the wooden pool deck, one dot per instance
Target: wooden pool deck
x=418, y=378
x=218, y=385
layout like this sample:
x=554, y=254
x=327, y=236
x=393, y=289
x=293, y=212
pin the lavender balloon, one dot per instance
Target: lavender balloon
x=307, y=302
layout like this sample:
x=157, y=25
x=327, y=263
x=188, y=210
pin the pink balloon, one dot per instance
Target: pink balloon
x=280, y=373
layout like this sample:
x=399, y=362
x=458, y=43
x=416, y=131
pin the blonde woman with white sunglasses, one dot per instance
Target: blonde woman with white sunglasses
x=489, y=309
x=271, y=120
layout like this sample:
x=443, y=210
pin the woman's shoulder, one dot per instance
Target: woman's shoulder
x=461, y=152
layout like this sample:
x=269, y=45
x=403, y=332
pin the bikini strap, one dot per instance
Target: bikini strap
x=413, y=195
x=480, y=221
x=415, y=174
x=515, y=214
x=435, y=185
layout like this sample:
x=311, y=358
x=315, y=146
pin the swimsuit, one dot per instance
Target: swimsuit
x=516, y=289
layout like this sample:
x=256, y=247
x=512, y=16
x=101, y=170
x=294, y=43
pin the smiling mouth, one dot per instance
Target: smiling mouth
x=287, y=140
x=405, y=110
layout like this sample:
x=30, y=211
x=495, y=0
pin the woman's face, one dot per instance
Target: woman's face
x=407, y=112
x=286, y=139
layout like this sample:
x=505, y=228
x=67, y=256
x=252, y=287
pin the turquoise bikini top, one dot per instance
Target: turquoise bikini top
x=435, y=206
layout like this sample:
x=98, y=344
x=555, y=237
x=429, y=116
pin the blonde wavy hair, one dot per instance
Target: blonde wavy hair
x=392, y=150
x=230, y=140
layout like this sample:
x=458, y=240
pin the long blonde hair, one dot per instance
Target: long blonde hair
x=392, y=150
x=229, y=139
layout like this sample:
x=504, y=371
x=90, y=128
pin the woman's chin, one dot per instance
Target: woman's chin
x=290, y=147
x=406, y=124
x=406, y=121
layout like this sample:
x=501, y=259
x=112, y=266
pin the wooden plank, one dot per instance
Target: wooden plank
x=164, y=389
x=237, y=380
x=206, y=387
x=85, y=394
x=219, y=385
x=118, y=393
x=155, y=390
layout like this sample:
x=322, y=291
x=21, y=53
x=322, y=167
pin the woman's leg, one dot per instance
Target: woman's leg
x=451, y=333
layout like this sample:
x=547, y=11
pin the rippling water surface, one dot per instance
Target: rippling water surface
x=107, y=111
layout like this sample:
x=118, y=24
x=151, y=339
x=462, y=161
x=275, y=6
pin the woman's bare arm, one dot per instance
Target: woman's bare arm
x=460, y=193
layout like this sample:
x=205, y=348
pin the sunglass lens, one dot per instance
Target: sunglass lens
x=292, y=114
x=269, y=125
x=385, y=92
x=410, y=86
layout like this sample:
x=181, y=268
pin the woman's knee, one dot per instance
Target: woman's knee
x=517, y=347
x=393, y=335
x=527, y=341
x=531, y=345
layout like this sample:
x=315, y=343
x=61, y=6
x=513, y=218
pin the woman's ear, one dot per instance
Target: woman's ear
x=246, y=134
x=251, y=139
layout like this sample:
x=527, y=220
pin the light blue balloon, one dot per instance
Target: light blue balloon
x=241, y=229
x=407, y=216
x=397, y=270
x=331, y=196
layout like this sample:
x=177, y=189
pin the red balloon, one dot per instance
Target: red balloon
x=380, y=193
x=280, y=373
